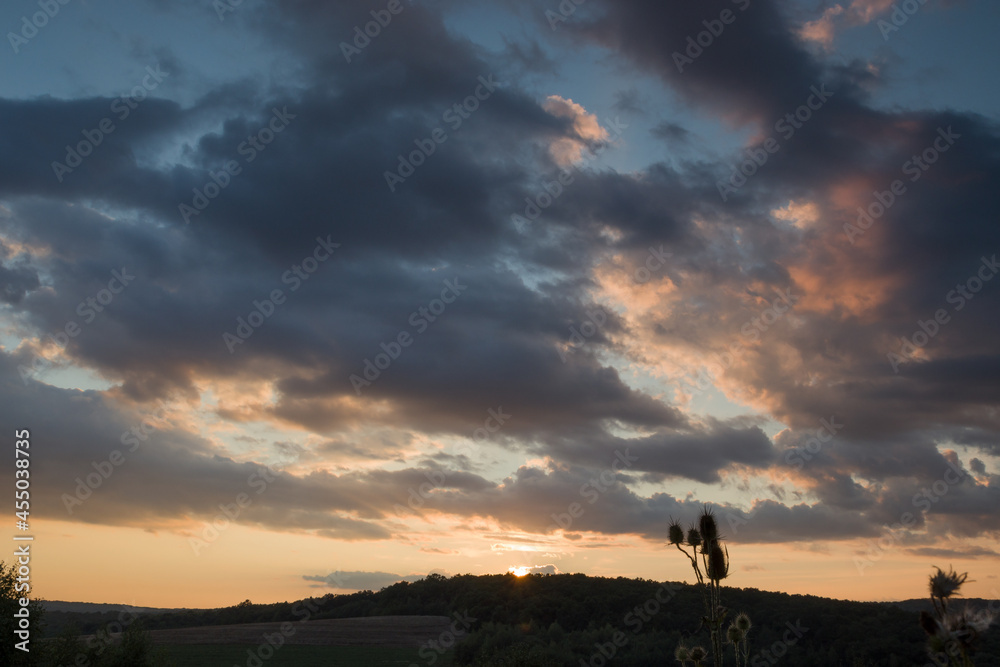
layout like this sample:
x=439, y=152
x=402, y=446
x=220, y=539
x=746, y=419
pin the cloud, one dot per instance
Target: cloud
x=507, y=341
x=822, y=29
x=671, y=133
x=586, y=130
x=522, y=570
x=359, y=581
x=972, y=553
x=834, y=18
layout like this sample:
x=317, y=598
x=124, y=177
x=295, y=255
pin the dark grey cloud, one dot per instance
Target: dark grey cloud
x=672, y=133
x=699, y=454
x=754, y=67
x=16, y=282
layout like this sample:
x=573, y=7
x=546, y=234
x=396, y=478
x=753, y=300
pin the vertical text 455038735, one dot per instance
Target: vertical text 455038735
x=22, y=483
x=22, y=496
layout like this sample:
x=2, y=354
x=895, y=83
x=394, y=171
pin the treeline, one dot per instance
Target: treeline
x=547, y=620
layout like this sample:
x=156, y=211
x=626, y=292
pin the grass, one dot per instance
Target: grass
x=214, y=655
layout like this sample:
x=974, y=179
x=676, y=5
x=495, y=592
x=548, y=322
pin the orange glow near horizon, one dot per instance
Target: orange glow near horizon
x=85, y=563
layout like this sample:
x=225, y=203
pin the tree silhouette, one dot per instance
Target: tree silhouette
x=9, y=605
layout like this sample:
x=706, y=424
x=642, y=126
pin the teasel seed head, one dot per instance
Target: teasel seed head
x=676, y=533
x=718, y=563
x=742, y=621
x=693, y=537
x=707, y=526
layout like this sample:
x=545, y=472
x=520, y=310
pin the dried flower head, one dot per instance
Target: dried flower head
x=682, y=654
x=742, y=621
x=698, y=653
x=676, y=533
x=707, y=526
x=718, y=563
x=945, y=584
x=734, y=635
x=693, y=537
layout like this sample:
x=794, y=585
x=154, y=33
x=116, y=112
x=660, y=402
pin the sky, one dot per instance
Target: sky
x=311, y=297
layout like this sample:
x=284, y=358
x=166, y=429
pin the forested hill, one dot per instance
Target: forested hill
x=561, y=619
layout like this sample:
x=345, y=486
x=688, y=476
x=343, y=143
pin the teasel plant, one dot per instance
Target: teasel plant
x=738, y=635
x=951, y=632
x=709, y=558
x=695, y=655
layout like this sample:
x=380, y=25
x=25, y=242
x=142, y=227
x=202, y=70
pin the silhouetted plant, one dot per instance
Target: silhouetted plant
x=952, y=633
x=738, y=635
x=695, y=655
x=709, y=557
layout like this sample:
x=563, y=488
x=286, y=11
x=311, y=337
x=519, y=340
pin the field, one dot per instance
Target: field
x=375, y=641
x=205, y=655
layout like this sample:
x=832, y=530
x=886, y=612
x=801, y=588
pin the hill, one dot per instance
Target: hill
x=548, y=620
x=98, y=608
